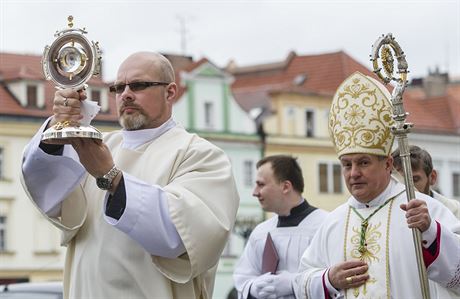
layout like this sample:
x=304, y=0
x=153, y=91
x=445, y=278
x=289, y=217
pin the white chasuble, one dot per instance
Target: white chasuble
x=375, y=251
x=390, y=251
x=105, y=262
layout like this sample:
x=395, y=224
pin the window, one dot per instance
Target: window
x=2, y=233
x=31, y=96
x=248, y=169
x=309, y=123
x=323, y=178
x=209, y=114
x=456, y=184
x=96, y=96
x=290, y=112
x=330, y=178
x=99, y=96
x=289, y=124
x=2, y=175
x=300, y=79
x=337, y=178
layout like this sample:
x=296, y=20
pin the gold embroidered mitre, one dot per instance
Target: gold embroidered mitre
x=361, y=117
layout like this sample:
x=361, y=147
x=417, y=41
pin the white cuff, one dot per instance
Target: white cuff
x=332, y=291
x=429, y=236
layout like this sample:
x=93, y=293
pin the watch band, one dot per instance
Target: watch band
x=112, y=173
x=105, y=182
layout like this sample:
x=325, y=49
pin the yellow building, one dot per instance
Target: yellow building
x=291, y=100
x=299, y=128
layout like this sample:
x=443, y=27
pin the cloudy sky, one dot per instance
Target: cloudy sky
x=248, y=32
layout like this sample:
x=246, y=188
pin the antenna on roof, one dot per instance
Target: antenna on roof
x=183, y=34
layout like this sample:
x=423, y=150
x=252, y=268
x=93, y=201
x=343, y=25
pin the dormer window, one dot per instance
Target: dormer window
x=32, y=95
x=300, y=79
x=29, y=93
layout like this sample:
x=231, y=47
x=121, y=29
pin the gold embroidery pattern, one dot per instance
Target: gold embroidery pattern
x=372, y=235
x=354, y=114
x=370, y=252
x=346, y=235
x=360, y=117
x=372, y=248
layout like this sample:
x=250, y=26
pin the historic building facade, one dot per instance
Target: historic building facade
x=291, y=100
x=249, y=112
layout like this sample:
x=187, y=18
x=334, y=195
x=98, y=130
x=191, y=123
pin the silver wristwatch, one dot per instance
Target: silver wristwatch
x=105, y=182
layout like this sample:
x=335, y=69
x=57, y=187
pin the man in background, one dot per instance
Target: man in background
x=424, y=176
x=279, y=187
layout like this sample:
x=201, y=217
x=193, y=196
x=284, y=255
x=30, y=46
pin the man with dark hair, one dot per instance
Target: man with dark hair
x=279, y=187
x=424, y=176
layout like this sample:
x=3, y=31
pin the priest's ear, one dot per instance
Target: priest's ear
x=388, y=163
x=171, y=92
x=433, y=177
x=286, y=186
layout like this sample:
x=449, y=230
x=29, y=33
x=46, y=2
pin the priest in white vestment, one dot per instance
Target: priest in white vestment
x=364, y=249
x=424, y=176
x=146, y=212
x=279, y=187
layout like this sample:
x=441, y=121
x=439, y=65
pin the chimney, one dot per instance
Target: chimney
x=435, y=84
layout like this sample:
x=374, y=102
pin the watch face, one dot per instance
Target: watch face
x=103, y=183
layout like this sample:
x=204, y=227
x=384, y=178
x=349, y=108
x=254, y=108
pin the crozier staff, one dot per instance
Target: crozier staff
x=365, y=247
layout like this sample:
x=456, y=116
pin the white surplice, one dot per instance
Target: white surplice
x=391, y=258
x=108, y=258
x=452, y=204
x=290, y=243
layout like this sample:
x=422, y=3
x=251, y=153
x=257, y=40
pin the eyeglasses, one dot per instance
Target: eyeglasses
x=134, y=86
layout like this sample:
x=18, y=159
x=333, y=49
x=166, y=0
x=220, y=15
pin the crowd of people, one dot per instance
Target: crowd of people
x=147, y=211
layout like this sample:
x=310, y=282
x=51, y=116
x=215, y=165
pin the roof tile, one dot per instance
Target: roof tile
x=324, y=73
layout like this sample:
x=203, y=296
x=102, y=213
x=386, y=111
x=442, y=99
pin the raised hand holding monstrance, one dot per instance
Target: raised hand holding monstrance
x=70, y=62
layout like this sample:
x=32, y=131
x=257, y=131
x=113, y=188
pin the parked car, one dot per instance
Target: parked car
x=32, y=290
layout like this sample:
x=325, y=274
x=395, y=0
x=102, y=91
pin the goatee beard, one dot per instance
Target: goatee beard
x=133, y=122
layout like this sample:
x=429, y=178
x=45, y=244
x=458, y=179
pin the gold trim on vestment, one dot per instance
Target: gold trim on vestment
x=372, y=235
x=387, y=251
